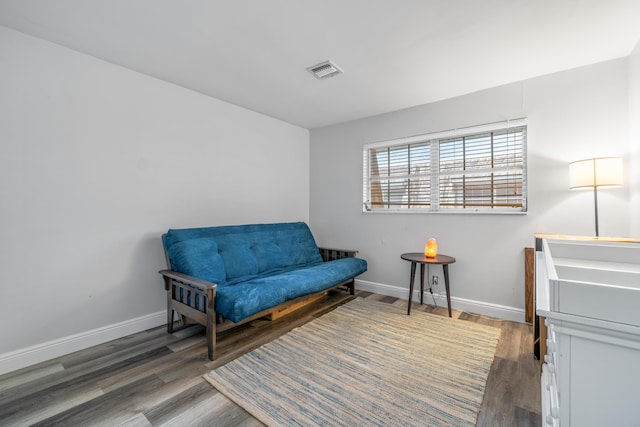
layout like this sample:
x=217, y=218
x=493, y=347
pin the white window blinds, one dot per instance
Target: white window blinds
x=482, y=171
x=401, y=176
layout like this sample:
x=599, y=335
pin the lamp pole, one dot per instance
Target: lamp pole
x=595, y=202
x=595, y=193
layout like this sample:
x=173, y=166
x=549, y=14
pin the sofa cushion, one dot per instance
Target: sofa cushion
x=243, y=299
x=236, y=251
x=198, y=258
x=246, y=250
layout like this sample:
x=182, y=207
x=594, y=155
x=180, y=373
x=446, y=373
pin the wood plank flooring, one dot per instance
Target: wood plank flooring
x=155, y=379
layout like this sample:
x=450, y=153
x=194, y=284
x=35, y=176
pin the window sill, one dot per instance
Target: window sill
x=448, y=212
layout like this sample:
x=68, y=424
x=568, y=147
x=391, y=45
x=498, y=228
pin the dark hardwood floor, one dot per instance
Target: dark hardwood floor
x=153, y=378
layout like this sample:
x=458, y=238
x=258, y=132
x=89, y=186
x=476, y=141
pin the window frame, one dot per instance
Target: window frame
x=434, y=141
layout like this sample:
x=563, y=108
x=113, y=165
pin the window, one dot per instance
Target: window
x=482, y=169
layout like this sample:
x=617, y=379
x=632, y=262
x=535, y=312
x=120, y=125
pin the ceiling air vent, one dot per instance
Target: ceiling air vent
x=324, y=69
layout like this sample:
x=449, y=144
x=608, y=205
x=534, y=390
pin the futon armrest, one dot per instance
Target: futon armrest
x=329, y=254
x=202, y=285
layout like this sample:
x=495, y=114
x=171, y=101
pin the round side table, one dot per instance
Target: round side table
x=419, y=258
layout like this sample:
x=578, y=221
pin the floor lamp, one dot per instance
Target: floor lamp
x=594, y=173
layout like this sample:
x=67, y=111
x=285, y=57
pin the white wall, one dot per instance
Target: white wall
x=97, y=161
x=634, y=140
x=572, y=115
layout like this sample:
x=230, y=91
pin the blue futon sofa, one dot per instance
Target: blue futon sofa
x=224, y=276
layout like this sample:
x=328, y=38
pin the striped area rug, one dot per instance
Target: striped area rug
x=365, y=363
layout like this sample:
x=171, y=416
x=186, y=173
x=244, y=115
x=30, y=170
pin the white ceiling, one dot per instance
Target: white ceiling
x=394, y=53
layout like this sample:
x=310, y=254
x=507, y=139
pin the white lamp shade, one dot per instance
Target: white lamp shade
x=589, y=173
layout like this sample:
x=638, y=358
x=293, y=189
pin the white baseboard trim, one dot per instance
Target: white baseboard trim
x=471, y=306
x=28, y=356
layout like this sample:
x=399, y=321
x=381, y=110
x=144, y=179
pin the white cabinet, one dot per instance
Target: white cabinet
x=589, y=293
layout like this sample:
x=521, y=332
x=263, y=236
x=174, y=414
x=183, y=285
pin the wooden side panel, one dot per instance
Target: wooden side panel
x=529, y=284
